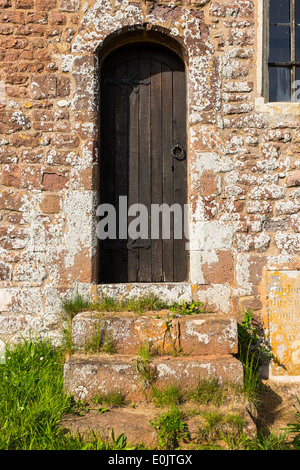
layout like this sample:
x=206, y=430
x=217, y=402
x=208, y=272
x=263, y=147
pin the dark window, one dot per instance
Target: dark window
x=284, y=50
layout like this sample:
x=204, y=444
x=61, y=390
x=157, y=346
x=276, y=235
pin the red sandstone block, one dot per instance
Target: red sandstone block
x=56, y=18
x=11, y=200
x=45, y=5
x=21, y=177
x=194, y=335
x=5, y=272
x=54, y=180
x=37, y=17
x=50, y=204
x=293, y=179
x=16, y=17
x=24, y=4
x=43, y=86
x=68, y=141
x=232, y=9
x=87, y=376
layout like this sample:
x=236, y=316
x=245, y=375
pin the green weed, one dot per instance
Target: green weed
x=293, y=429
x=170, y=395
x=186, y=308
x=208, y=391
x=170, y=429
x=114, y=399
x=143, y=365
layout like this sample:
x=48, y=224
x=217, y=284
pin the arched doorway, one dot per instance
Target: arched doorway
x=143, y=161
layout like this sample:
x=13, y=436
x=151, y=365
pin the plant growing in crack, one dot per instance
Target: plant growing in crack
x=143, y=365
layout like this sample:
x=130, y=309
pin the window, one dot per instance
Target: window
x=284, y=50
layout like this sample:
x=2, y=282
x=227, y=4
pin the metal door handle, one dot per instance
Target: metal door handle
x=178, y=152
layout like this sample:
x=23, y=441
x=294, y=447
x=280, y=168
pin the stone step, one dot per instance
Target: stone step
x=195, y=335
x=135, y=424
x=85, y=376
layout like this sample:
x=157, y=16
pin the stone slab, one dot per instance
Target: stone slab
x=284, y=321
x=87, y=375
x=134, y=423
x=195, y=335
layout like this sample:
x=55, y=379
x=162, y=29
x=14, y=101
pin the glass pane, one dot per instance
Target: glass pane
x=297, y=12
x=279, y=11
x=298, y=43
x=279, y=84
x=279, y=44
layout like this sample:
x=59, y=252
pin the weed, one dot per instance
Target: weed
x=252, y=348
x=186, y=308
x=208, y=391
x=212, y=424
x=101, y=340
x=253, y=353
x=294, y=429
x=114, y=399
x=75, y=305
x=170, y=428
x=134, y=304
x=143, y=366
x=169, y=395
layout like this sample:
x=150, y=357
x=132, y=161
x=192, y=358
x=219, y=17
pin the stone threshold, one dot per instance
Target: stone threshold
x=167, y=291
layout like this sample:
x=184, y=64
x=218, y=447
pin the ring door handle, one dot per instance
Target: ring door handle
x=178, y=152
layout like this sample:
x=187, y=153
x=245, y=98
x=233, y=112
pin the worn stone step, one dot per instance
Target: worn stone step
x=195, y=335
x=85, y=376
x=134, y=422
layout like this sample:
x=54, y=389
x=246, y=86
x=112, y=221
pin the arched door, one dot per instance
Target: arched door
x=143, y=160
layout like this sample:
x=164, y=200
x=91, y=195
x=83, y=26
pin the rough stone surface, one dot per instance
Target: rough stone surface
x=87, y=375
x=134, y=424
x=193, y=335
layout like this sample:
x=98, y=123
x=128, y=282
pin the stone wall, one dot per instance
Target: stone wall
x=244, y=165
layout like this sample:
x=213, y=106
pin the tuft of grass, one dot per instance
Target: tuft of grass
x=170, y=395
x=75, y=305
x=208, y=391
x=143, y=365
x=114, y=399
x=101, y=341
x=134, y=304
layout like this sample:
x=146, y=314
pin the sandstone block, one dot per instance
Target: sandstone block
x=194, y=334
x=293, y=179
x=85, y=376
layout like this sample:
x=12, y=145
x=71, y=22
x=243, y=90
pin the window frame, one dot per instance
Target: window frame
x=292, y=64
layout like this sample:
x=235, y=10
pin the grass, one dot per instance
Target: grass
x=33, y=401
x=141, y=304
x=113, y=399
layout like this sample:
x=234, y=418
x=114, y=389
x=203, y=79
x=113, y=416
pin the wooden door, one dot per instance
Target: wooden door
x=143, y=156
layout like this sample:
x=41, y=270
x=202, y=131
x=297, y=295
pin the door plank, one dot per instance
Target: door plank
x=133, y=162
x=156, y=162
x=167, y=117
x=144, y=163
x=121, y=160
x=180, y=172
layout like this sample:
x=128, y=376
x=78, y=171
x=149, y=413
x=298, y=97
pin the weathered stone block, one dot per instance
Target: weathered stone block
x=194, y=335
x=284, y=321
x=85, y=376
